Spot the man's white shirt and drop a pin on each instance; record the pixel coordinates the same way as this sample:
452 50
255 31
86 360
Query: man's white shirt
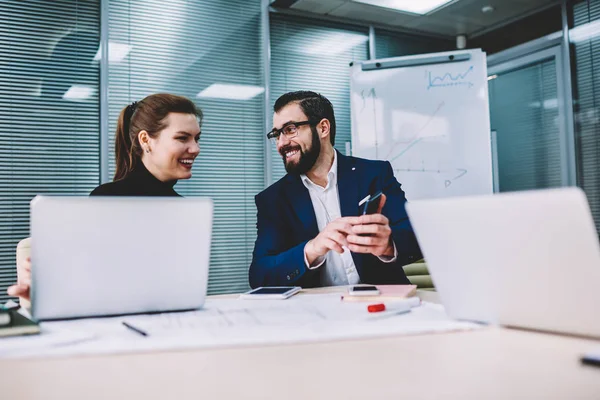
339 269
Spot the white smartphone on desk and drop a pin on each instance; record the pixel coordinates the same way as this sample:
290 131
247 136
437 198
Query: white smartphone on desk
364 290
271 292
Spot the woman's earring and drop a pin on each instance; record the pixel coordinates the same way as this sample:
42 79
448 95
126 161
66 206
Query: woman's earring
147 149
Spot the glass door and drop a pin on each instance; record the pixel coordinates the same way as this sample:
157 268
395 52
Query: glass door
527 110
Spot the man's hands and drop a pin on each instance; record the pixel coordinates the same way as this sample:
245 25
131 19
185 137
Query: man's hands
333 237
22 288
371 234
347 231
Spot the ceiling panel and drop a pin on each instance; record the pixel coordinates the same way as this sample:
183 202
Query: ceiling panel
318 6
471 12
459 17
443 26
369 13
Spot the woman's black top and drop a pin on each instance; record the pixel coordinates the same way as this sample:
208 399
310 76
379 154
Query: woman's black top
139 182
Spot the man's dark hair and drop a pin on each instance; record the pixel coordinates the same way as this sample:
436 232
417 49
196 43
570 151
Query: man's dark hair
314 105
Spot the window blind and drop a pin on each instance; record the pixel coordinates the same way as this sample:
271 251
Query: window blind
586 86
184 47
308 55
49 126
524 114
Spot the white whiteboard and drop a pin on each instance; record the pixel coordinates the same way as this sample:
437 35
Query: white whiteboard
431 121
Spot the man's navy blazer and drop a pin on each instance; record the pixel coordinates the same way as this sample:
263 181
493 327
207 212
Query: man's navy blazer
286 222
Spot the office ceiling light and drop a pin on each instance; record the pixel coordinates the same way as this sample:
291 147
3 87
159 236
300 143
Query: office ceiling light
487 9
231 91
116 52
331 43
79 93
411 6
585 32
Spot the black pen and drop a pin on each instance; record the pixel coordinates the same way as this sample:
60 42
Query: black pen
133 328
590 359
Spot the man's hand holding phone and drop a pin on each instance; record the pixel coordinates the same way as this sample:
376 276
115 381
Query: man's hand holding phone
368 233
371 232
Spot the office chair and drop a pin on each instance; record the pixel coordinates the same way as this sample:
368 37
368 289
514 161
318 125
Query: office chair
418 274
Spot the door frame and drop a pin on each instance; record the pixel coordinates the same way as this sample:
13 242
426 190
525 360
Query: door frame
543 49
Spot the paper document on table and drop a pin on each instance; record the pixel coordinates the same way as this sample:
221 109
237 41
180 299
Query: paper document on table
235 322
49 338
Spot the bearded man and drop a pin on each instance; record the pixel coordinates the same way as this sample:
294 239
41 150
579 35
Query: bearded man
310 231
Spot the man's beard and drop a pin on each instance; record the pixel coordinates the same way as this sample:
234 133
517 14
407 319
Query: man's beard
306 159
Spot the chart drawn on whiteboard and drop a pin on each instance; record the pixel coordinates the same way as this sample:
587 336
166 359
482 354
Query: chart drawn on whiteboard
449 79
430 121
412 141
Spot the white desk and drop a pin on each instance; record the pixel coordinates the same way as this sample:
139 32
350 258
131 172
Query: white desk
489 363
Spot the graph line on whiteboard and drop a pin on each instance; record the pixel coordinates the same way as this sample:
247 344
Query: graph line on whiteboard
449 79
458 173
407 148
416 138
433 171
371 94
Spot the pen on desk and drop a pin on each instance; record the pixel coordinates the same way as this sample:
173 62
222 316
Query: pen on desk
133 328
591 359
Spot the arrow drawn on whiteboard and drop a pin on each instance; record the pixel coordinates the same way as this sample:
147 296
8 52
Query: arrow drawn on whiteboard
460 175
461 172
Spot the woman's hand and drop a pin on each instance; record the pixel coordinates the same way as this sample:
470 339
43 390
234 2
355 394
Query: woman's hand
22 288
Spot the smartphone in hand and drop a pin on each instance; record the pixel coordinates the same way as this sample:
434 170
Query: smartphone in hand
371 204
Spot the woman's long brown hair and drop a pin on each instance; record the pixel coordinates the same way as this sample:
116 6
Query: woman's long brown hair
149 114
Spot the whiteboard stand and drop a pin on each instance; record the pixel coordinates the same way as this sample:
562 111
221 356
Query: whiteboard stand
495 162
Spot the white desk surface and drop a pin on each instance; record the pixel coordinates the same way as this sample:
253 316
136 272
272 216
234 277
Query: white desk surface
489 363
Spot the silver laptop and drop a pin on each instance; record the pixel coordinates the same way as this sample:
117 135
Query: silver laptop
98 256
524 259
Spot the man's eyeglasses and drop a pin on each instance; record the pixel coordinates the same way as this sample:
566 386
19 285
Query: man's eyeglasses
289 130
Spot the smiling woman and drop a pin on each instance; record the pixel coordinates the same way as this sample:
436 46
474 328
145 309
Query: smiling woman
156 143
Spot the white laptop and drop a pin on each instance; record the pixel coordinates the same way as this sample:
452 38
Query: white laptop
99 256
524 259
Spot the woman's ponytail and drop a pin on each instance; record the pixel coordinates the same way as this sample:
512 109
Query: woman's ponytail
125 154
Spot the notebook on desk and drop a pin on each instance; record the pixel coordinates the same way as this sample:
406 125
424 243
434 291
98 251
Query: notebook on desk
12 323
386 293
